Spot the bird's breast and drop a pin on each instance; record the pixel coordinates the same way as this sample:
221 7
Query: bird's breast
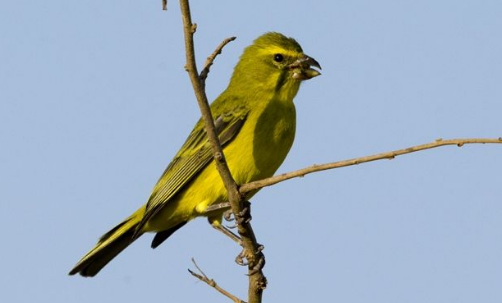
263 143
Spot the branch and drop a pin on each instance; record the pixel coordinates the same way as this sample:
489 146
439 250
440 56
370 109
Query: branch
252 250
200 94
210 59
202 276
387 155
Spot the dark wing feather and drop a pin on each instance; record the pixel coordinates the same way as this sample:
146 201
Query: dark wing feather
163 235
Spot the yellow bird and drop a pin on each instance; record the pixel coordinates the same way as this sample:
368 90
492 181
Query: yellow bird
255 120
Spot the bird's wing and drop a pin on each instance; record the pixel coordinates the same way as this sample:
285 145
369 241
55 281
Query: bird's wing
193 156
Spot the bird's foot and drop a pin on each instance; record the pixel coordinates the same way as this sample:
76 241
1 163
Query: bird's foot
244 216
228 215
257 260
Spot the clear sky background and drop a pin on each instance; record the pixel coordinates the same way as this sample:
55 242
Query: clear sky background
94 102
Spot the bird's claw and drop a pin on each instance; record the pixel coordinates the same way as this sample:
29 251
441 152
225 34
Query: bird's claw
228 215
244 216
240 258
258 266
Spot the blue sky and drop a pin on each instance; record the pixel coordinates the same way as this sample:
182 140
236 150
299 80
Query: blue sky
94 102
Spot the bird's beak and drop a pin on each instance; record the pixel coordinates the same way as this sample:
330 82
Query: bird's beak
302 68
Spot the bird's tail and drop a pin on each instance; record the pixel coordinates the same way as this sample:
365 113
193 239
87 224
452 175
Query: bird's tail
109 246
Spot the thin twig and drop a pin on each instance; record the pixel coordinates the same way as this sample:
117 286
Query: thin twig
257 281
387 155
210 59
202 276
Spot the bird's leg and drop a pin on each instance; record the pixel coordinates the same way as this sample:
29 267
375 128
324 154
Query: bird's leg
227 232
213 213
215 209
218 207
244 216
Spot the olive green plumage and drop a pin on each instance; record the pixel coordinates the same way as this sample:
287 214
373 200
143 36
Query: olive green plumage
255 121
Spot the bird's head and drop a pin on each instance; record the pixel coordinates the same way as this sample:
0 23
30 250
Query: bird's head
274 62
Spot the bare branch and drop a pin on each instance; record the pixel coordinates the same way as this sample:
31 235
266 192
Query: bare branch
387 155
252 252
191 67
202 276
210 59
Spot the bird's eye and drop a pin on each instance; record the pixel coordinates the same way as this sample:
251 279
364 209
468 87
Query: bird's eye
278 57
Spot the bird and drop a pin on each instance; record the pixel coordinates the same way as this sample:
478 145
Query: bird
255 121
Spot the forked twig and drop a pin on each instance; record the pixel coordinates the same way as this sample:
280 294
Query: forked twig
203 277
